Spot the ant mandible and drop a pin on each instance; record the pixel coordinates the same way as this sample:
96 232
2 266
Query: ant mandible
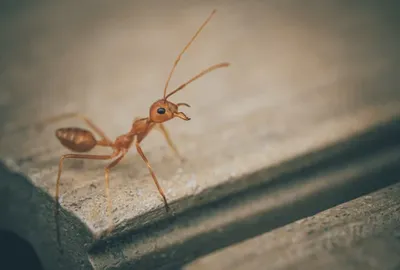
82 140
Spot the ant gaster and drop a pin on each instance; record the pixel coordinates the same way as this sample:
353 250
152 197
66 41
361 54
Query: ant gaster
82 140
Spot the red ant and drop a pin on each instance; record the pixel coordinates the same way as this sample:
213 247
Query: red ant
82 140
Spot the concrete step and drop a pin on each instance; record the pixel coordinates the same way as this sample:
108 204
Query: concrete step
359 234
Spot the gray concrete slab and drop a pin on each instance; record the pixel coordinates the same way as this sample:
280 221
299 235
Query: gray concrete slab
302 76
292 191
360 234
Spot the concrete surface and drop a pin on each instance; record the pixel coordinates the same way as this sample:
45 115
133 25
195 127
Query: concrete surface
360 234
303 76
288 192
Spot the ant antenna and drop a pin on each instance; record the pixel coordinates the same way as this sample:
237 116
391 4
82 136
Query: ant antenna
204 72
184 49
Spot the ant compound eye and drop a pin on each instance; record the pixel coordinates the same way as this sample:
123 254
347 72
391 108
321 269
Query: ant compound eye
160 110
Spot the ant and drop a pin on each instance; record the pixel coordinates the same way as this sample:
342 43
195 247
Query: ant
81 140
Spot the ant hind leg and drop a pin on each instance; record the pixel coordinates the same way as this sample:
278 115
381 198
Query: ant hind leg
60 167
107 190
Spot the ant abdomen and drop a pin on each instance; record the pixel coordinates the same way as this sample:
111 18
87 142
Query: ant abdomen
76 139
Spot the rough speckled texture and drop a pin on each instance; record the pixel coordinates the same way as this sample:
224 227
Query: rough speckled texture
300 78
360 234
292 193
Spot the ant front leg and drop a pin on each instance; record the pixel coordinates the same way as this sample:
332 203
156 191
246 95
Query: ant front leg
167 137
140 151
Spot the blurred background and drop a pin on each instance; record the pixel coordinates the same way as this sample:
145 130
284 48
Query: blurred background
64 56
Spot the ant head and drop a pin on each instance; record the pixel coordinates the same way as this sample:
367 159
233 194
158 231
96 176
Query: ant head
163 110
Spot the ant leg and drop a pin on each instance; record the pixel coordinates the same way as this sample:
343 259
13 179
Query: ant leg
107 189
171 145
139 149
105 140
60 167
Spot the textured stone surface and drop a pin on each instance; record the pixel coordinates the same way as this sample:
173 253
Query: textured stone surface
300 79
360 234
291 193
